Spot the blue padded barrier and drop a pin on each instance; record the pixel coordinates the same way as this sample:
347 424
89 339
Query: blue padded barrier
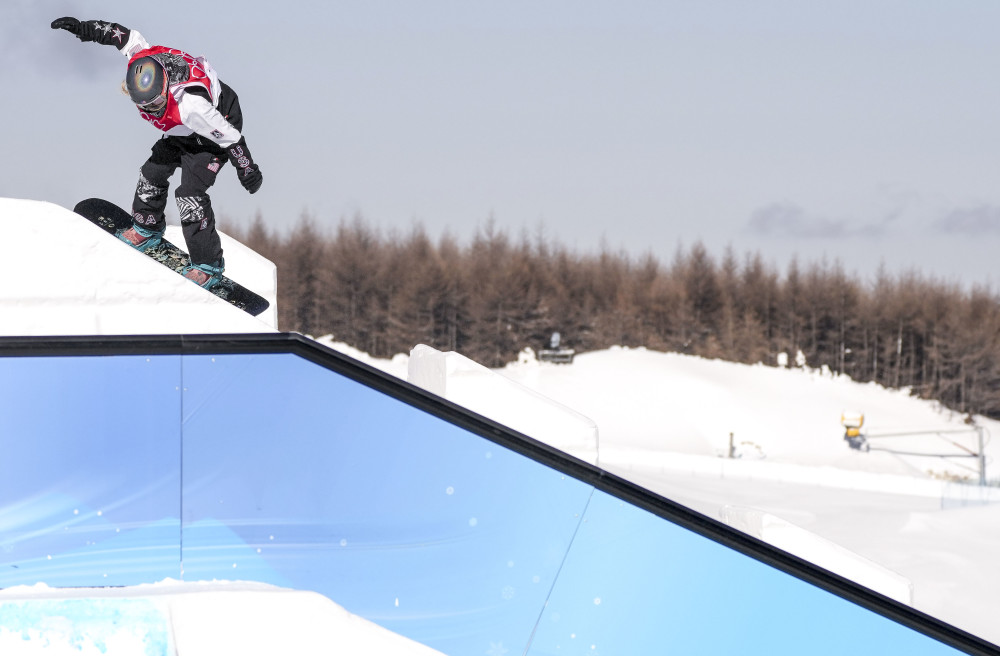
272 459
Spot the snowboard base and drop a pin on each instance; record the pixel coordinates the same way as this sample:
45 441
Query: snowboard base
112 218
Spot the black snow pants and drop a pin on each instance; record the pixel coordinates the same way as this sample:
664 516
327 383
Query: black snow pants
200 161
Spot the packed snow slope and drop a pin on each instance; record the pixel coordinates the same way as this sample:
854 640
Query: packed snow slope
66 276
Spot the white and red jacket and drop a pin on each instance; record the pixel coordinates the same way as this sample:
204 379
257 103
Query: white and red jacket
186 113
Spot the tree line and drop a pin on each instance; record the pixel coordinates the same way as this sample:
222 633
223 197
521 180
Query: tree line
491 298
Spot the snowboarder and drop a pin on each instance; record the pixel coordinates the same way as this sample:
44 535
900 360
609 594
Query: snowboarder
200 115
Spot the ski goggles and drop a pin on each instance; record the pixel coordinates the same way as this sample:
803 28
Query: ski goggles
153 106
150 106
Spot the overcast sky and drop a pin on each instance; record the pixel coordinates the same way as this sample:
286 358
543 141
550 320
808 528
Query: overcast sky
860 131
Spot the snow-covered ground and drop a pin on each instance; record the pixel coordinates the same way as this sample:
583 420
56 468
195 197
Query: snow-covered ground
665 421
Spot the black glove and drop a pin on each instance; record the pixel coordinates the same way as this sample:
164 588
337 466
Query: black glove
248 172
252 179
103 32
73 26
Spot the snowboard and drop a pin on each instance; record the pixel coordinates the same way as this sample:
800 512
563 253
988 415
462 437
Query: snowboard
112 218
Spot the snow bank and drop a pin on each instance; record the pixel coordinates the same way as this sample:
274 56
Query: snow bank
680 404
189 619
65 276
471 385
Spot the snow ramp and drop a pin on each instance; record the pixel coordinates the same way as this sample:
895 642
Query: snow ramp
65 276
270 460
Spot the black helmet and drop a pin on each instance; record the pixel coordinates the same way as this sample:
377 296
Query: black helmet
146 82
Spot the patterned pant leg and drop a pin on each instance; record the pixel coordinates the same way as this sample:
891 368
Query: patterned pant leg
154 181
198 173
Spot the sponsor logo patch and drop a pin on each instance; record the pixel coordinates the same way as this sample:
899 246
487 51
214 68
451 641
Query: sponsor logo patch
217 134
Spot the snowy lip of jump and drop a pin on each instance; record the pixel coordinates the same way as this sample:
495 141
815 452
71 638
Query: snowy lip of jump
98 298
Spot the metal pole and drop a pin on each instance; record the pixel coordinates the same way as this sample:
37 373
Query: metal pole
982 457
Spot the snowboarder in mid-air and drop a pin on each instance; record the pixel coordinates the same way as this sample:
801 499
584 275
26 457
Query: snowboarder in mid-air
200 115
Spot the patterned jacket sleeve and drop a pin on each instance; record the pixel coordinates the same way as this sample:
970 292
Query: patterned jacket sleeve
105 32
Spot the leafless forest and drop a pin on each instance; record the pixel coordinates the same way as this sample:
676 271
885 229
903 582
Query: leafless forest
498 294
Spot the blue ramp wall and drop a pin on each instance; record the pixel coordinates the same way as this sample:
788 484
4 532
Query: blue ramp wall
272 459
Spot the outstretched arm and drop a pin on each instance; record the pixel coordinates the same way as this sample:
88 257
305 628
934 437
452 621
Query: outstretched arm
98 31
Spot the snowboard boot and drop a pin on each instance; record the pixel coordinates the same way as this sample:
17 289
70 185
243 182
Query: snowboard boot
205 275
140 238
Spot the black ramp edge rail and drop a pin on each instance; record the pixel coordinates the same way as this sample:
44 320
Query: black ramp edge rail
308 349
